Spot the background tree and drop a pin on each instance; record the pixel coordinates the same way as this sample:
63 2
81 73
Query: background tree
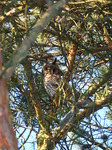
79 35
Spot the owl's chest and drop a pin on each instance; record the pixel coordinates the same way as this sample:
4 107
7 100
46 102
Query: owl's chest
51 83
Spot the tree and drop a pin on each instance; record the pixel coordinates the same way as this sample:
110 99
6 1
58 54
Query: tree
79 35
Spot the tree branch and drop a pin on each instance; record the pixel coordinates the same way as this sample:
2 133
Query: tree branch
21 52
75 116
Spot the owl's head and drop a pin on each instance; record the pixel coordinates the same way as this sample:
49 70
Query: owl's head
51 68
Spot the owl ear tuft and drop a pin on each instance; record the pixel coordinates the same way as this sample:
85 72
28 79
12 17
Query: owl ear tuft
54 62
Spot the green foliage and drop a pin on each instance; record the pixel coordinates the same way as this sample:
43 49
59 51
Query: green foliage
82 26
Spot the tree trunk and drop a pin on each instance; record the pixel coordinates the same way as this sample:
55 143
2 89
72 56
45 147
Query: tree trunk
7 137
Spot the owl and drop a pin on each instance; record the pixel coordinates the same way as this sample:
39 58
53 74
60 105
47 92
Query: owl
52 77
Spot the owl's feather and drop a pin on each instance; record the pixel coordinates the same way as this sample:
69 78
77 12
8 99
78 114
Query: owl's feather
52 77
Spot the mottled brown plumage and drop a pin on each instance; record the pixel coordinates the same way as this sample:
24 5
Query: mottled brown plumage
52 77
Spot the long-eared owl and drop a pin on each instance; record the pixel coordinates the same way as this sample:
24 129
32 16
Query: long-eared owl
52 77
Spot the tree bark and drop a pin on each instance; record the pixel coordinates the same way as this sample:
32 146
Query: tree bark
7 137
